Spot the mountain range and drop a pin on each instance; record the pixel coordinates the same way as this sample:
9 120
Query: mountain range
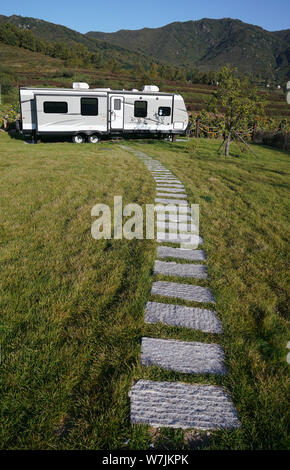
206 44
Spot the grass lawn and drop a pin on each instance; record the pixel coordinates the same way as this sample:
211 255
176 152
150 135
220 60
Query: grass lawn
72 308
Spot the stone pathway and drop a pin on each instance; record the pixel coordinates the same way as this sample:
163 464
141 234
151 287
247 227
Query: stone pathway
170 268
179 315
182 291
176 404
179 405
183 356
191 255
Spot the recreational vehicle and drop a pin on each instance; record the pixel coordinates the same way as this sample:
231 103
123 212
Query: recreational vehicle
92 114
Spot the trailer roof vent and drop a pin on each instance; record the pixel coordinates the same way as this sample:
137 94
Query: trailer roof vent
150 88
134 89
80 86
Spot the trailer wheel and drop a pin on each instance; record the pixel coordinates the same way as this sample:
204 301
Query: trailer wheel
93 139
78 139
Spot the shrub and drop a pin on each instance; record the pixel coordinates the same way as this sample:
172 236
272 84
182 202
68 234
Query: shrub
68 73
8 110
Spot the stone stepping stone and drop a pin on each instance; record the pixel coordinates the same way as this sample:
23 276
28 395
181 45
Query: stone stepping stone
177 226
171 201
169 186
173 237
186 317
170 183
182 291
183 356
170 190
165 216
189 245
170 268
191 255
162 175
185 238
166 179
180 405
182 196
173 209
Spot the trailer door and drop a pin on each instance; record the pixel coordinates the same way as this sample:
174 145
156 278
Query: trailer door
117 112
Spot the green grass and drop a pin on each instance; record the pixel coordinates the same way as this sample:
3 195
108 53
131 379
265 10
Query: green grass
73 308
19 60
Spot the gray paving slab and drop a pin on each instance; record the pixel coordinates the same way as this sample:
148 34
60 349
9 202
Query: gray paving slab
172 237
167 181
183 356
193 245
169 176
169 194
170 201
170 268
170 190
170 217
176 226
182 291
169 185
190 255
180 405
162 175
186 317
173 209
166 177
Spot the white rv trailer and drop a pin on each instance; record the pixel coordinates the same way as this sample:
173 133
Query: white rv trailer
92 114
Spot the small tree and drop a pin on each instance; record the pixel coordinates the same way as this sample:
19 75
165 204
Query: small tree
239 102
154 72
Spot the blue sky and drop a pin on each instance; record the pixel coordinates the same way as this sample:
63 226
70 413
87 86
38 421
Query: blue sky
112 15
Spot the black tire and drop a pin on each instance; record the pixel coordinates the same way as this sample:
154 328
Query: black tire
93 139
78 139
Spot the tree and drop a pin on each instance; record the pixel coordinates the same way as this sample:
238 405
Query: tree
180 75
154 72
239 102
28 40
138 70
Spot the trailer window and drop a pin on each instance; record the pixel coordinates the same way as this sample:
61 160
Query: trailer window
89 106
55 107
117 104
140 109
164 111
